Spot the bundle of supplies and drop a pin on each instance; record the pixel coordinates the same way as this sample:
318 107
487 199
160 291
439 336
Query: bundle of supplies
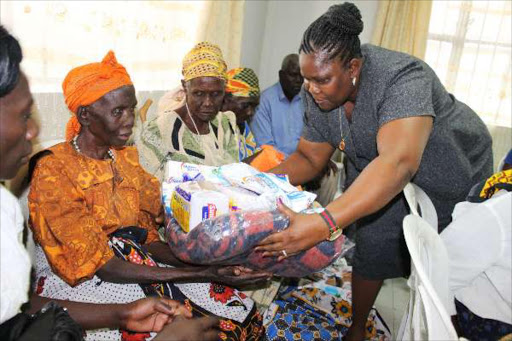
217 215
230 240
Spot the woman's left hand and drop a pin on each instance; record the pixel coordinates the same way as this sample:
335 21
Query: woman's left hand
235 275
304 232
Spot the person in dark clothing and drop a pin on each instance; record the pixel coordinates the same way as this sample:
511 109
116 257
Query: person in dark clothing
396 123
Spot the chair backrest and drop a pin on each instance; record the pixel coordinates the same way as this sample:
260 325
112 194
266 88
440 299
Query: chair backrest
420 204
427 317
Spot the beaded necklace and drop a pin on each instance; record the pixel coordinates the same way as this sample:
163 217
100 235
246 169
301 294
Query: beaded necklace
74 142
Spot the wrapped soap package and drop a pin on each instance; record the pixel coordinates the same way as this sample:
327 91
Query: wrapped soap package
230 239
193 202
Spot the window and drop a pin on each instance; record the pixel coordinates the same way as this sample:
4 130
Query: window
149 38
469 47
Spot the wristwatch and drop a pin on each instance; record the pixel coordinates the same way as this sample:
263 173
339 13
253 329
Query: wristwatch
334 234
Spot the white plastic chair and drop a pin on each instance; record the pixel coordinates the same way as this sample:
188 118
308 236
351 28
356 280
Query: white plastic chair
418 199
427 317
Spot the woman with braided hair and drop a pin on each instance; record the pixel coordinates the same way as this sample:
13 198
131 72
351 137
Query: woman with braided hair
396 123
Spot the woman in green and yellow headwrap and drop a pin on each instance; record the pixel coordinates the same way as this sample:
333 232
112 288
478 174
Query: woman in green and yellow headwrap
242 98
191 127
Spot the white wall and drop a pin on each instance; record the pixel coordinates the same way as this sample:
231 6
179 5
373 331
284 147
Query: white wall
281 32
255 16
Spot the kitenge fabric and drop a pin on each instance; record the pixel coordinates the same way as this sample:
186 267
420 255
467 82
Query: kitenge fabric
239 317
75 202
247 143
242 82
204 60
319 308
501 180
485 189
166 137
200 298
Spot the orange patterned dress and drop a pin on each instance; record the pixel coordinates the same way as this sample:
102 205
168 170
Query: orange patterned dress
75 202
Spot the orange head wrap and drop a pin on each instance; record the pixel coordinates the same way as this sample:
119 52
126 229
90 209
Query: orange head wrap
86 84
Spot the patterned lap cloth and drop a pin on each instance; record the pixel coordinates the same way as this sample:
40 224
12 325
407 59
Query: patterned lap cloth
240 319
319 308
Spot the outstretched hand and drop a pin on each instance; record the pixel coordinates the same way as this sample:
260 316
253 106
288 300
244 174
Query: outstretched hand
238 275
151 314
304 232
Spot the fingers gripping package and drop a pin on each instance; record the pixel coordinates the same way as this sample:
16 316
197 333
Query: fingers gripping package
217 215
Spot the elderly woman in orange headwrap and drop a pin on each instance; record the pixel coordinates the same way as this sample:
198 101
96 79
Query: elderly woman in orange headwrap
94 212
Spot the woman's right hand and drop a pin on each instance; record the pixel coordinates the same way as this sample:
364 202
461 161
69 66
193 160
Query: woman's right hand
305 231
237 275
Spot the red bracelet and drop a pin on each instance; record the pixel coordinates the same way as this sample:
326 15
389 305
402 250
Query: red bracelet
329 220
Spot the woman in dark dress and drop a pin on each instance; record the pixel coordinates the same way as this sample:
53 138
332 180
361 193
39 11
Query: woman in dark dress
396 123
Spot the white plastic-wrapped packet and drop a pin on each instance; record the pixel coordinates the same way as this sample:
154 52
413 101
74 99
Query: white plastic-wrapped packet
299 201
241 199
235 173
246 188
178 172
193 202
282 182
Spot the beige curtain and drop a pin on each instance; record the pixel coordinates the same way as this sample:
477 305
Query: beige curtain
222 24
402 25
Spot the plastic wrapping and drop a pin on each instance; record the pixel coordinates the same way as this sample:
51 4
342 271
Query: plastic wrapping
230 239
245 188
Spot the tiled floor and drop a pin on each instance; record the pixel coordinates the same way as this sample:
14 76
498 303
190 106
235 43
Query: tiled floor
391 302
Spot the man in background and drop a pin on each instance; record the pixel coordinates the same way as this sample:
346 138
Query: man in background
279 117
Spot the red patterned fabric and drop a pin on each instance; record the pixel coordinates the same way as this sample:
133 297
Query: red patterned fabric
230 239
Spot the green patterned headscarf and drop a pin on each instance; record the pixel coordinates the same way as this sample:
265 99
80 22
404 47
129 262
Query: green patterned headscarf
243 82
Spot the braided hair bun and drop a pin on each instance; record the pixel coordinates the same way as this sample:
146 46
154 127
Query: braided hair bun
346 17
336 32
